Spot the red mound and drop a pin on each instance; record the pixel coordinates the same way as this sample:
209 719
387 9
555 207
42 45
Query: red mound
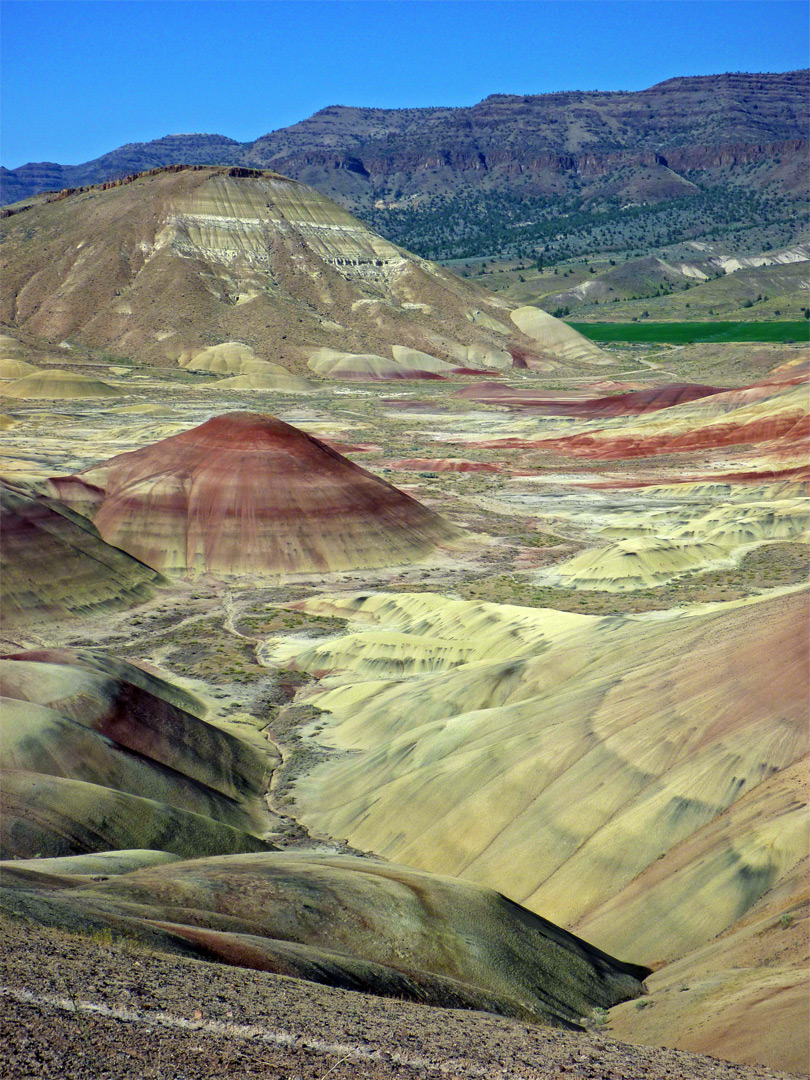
352 448
642 401
772 413
525 358
390 375
490 393
753 476
248 493
649 399
788 431
415 404
477 371
481 392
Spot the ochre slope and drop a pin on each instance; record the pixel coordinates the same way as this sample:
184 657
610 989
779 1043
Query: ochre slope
15 369
158 268
553 337
363 367
280 382
656 548
227 358
56 816
651 726
54 563
55 384
246 493
744 995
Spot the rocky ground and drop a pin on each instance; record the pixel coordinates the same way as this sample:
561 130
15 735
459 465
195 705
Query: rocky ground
76 1008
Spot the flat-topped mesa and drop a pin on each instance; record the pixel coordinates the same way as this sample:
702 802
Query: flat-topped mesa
247 493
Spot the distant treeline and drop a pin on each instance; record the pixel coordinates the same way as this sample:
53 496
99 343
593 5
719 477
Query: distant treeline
512 224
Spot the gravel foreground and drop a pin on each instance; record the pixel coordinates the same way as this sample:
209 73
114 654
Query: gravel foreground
83 1008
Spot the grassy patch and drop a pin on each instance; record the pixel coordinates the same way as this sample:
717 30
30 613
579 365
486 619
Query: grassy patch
684 333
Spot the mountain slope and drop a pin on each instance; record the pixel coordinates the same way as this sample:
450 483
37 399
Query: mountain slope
181 259
595 150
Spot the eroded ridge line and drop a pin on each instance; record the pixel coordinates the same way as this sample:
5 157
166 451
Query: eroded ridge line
255 1031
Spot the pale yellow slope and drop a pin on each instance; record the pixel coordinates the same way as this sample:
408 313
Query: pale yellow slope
743 996
228 358
656 545
15 369
279 381
556 338
58 384
331 363
598 752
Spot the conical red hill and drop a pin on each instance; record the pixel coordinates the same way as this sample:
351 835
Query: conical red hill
246 493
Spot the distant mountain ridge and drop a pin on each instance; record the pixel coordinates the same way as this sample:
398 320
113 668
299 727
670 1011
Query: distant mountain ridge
597 149
700 110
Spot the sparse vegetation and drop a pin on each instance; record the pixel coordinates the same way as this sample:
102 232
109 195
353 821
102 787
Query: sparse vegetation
513 224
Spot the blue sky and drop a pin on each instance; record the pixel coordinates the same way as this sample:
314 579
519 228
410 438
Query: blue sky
81 77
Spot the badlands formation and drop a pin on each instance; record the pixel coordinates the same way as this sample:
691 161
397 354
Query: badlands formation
248 493
178 260
381 636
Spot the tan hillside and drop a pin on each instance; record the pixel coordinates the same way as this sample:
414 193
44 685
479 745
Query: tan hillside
175 262
563 660
56 384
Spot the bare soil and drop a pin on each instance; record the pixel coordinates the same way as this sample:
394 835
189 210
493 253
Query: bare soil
84 1008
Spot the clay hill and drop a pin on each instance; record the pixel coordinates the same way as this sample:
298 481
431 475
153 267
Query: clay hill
54 563
680 739
114 777
676 140
161 268
99 755
246 493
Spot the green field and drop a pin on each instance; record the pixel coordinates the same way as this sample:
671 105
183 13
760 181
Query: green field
684 333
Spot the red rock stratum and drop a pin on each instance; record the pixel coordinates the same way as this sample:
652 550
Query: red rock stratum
246 493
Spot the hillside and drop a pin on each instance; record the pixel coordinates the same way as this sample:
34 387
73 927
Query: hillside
186 259
684 282
392 675
506 176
